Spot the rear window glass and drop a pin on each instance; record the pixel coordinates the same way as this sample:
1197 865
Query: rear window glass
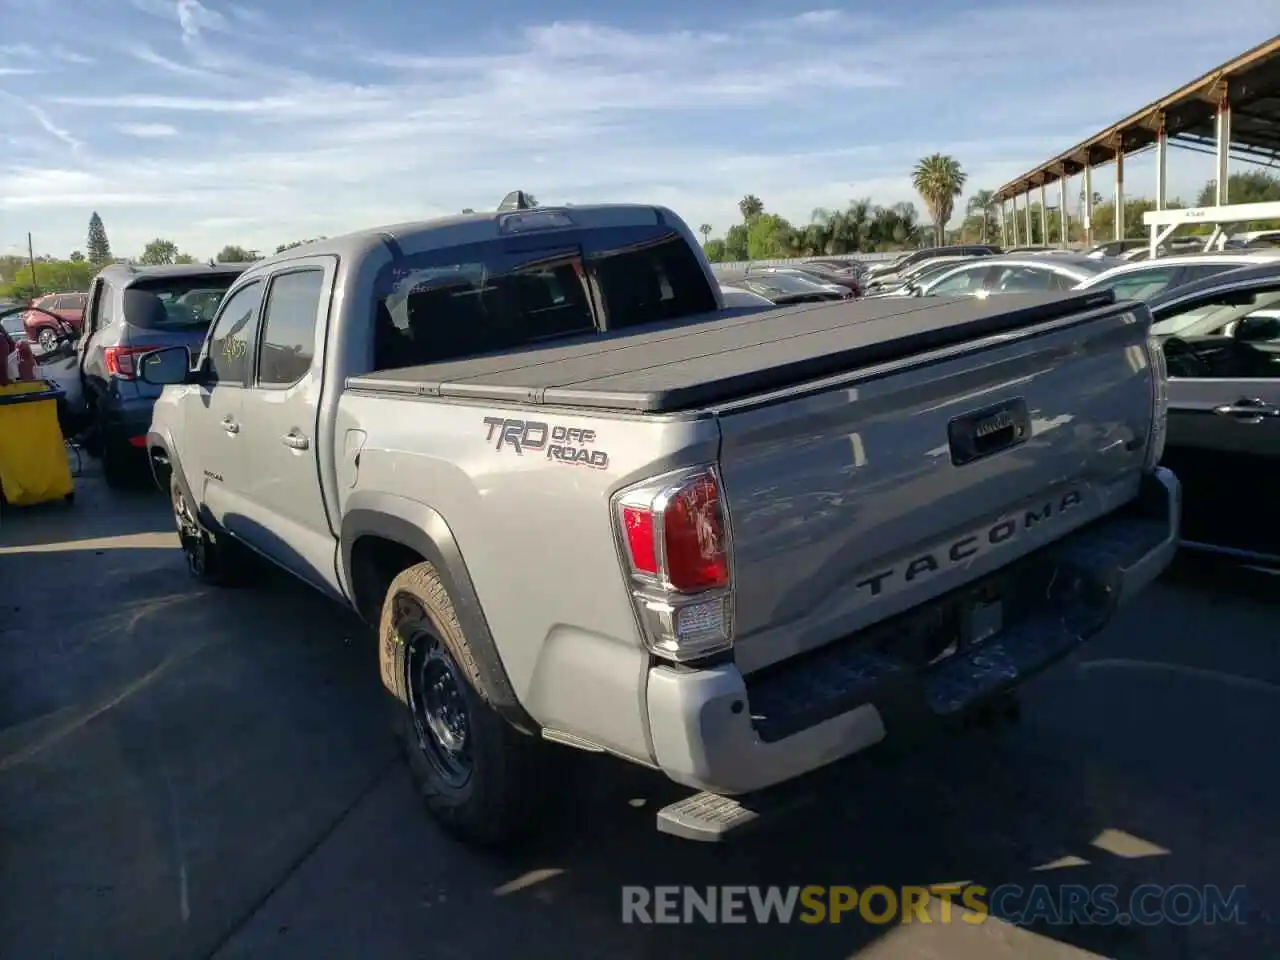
506 294
175 303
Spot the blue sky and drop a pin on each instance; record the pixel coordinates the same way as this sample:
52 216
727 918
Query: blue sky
263 121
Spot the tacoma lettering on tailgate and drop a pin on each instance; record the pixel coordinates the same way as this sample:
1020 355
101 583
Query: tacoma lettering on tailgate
556 442
965 548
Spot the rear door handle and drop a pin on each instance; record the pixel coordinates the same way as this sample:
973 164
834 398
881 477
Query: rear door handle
1248 409
295 440
230 425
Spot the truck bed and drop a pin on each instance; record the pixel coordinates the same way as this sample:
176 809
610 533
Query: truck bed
698 363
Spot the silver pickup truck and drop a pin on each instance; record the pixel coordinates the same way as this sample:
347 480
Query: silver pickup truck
585 503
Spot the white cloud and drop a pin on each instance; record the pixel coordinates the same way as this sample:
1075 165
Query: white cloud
148 131
290 129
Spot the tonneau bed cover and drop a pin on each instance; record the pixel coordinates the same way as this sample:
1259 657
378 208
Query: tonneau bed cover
697 363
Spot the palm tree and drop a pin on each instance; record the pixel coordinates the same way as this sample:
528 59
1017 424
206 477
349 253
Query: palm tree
750 206
939 179
980 204
705 230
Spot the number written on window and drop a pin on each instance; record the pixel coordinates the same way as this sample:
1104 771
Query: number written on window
229 342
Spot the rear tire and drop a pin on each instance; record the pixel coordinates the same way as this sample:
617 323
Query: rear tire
211 558
117 469
478 775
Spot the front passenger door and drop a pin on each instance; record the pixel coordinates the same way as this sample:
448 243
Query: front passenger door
1224 445
212 449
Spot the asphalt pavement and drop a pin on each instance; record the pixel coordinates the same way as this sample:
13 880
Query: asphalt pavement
188 773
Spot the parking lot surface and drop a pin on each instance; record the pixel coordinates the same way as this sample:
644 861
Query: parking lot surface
191 773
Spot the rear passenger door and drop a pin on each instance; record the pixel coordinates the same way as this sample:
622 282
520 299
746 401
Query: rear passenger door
284 501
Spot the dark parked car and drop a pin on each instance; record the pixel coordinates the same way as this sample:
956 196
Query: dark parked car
813 275
1221 338
788 288
133 310
903 263
42 329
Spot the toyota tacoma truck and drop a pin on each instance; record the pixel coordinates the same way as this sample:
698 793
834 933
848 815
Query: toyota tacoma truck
584 503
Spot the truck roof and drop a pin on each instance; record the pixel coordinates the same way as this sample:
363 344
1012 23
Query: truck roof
696 363
463 228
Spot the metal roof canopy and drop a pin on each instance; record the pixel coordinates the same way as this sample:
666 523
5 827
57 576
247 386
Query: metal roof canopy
1250 83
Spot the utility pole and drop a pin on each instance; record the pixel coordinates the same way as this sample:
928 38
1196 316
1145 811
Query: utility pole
31 259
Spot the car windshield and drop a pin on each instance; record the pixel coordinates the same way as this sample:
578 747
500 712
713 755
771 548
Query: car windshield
13 325
783 283
186 303
1209 318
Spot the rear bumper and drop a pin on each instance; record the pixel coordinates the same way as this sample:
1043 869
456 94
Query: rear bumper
718 731
125 422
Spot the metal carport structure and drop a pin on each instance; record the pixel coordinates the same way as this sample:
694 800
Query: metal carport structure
1231 111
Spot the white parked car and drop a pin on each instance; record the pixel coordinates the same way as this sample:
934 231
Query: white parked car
988 276
1146 278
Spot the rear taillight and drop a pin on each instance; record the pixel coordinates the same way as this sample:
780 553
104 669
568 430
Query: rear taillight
122 361
675 537
1160 402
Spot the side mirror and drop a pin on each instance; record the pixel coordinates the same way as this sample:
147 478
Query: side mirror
165 367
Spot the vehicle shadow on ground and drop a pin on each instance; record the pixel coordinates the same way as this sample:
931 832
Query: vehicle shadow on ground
1149 760
167 752
183 769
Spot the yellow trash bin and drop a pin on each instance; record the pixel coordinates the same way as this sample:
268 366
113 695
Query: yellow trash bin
33 457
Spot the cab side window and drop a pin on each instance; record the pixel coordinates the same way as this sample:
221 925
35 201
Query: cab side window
289 327
231 339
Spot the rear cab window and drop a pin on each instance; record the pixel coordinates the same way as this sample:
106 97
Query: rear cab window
512 292
186 303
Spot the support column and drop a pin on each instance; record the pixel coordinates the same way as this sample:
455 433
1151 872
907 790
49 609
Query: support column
1030 236
1064 220
1014 218
1224 148
1161 163
1088 203
1004 226
1119 217
1044 215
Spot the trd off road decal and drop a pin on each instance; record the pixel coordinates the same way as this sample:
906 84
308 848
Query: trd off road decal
556 442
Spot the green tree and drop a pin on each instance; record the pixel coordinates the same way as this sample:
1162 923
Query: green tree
938 179
63 276
979 207
750 207
768 236
159 252
735 243
714 249
705 230
184 258
235 254
1249 186
98 245
77 256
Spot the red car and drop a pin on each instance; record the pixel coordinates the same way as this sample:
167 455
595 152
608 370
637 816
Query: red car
41 328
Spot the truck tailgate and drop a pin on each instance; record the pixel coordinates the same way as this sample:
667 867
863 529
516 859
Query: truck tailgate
855 501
